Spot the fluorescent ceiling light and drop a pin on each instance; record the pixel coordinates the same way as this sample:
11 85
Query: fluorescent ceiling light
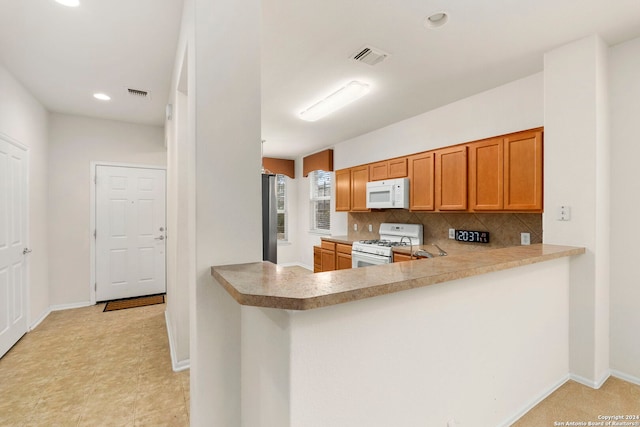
335 101
102 96
69 3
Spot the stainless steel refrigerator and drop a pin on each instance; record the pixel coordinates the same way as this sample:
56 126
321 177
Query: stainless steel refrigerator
269 219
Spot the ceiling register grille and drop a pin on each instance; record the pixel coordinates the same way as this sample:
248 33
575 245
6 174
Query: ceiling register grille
369 55
138 93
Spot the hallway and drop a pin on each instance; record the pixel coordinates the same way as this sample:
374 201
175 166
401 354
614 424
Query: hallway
83 367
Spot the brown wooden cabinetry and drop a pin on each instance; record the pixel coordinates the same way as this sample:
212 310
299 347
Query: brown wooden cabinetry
486 175
343 190
317 259
330 256
421 186
401 257
523 171
359 179
451 179
343 256
505 174
388 169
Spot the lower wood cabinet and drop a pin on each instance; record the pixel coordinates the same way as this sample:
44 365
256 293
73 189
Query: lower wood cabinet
343 256
401 257
331 256
317 259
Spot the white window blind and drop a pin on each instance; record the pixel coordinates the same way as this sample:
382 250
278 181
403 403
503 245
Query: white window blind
281 206
320 196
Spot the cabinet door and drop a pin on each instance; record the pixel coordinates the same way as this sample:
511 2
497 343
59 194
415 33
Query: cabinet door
421 183
343 190
398 168
317 259
359 179
523 171
328 260
486 175
379 171
343 261
401 257
451 179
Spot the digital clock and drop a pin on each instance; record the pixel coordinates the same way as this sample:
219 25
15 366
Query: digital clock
471 236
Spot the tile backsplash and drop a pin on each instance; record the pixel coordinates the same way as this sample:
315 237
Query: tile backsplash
505 228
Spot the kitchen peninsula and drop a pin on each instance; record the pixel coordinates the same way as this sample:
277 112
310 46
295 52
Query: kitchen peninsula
412 344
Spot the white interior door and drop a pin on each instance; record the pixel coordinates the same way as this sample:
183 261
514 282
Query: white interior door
13 234
130 232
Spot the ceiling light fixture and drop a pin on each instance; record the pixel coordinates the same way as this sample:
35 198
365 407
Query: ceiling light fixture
69 3
436 20
102 96
338 99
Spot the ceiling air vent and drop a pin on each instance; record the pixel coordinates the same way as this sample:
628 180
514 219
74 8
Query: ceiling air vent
369 55
138 93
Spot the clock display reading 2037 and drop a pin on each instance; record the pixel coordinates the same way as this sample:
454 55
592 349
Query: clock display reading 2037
472 236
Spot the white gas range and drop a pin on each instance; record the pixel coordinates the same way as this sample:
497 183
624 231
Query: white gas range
376 252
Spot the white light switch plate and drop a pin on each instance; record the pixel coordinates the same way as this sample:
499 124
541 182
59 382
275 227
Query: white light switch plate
452 233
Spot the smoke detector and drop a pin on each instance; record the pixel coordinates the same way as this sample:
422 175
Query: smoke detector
369 55
138 93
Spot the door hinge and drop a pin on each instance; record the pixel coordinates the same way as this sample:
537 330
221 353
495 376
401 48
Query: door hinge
95 234
95 287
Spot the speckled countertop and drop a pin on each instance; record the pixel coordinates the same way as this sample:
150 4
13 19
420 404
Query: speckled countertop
263 284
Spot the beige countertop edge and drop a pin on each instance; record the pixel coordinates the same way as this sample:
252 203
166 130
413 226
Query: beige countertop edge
275 299
338 239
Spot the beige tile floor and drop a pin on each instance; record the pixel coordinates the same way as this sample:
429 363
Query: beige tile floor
83 367
574 402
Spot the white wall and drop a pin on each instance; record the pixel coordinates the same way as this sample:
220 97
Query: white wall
25 120
74 143
223 40
480 351
625 233
512 107
576 173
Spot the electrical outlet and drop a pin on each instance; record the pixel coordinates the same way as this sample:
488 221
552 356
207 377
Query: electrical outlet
525 239
370 228
452 233
564 213
355 227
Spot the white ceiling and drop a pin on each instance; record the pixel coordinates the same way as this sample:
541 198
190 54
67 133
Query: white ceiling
64 55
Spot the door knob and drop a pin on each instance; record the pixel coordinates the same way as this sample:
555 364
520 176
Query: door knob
159 238
26 251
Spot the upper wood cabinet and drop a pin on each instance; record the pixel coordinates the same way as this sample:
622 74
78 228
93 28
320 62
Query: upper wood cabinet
359 179
451 178
351 189
343 190
523 171
486 175
421 185
388 169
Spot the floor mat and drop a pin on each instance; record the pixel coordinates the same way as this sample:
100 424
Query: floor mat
120 304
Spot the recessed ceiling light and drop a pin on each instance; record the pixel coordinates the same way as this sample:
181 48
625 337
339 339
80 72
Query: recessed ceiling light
338 99
69 3
102 96
436 20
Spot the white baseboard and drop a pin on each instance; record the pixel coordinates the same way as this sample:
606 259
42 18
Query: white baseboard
178 365
40 319
534 402
296 264
626 377
589 383
59 307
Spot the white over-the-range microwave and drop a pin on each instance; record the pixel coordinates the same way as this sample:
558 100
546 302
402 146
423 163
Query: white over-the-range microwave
388 194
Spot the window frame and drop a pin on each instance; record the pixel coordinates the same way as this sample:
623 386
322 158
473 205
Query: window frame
315 200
